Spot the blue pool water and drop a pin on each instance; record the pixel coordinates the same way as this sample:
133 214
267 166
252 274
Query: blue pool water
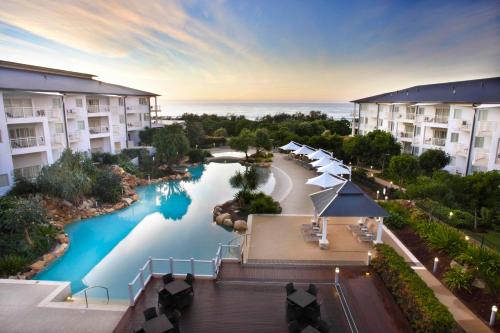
172 219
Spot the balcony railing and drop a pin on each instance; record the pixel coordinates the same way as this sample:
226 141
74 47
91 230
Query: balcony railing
73 113
27 142
485 126
30 172
99 108
406 134
441 119
57 139
460 150
98 129
438 141
23 112
74 136
134 124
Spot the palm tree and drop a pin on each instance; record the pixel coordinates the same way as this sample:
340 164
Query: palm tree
247 181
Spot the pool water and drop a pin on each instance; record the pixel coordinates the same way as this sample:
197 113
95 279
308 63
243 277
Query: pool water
171 219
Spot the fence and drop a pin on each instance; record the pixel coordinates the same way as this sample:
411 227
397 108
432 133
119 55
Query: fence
178 267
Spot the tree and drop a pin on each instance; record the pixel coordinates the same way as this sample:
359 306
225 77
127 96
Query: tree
220 132
432 160
108 186
262 140
23 215
171 144
246 181
243 141
404 168
146 136
195 133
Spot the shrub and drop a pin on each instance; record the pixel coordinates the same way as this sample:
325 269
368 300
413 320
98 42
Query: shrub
220 132
107 186
210 141
457 278
417 301
264 204
11 264
395 221
23 186
105 158
459 219
198 155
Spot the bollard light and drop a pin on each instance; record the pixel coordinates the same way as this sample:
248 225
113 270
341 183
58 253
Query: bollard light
467 238
451 215
386 197
384 190
337 271
371 167
493 315
378 193
369 258
434 269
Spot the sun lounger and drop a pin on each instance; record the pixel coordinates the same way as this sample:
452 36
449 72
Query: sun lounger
368 237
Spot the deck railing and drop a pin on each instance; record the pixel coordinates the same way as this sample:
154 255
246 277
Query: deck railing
26 142
179 267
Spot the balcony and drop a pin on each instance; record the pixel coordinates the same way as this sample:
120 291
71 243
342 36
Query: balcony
100 108
57 140
485 126
30 172
23 112
436 141
98 130
481 157
441 119
134 125
73 113
406 134
74 136
116 130
460 150
27 142
465 126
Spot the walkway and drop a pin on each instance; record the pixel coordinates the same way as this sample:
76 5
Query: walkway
291 189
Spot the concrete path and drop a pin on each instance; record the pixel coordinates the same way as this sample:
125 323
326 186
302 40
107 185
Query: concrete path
291 189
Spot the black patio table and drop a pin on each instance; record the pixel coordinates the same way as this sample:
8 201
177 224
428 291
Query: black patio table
176 287
159 324
309 329
301 297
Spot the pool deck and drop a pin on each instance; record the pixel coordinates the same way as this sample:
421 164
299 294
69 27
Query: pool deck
252 299
39 306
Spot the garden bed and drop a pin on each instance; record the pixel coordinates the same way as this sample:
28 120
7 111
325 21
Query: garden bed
478 301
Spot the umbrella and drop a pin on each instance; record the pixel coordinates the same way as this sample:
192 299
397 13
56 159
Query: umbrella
319 154
335 168
304 150
322 162
291 146
325 180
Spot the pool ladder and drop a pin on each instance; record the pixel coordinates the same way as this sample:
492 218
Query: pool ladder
88 288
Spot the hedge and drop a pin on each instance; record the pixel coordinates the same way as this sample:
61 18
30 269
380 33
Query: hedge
417 301
460 218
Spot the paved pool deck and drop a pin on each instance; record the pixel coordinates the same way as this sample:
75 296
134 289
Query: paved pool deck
40 306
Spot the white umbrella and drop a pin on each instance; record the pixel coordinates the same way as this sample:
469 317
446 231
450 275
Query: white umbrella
335 168
319 154
304 150
325 180
322 162
291 146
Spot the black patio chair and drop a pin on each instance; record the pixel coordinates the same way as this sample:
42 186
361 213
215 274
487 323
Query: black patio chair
150 313
293 312
294 326
183 300
312 289
324 327
165 300
167 278
189 279
312 313
289 288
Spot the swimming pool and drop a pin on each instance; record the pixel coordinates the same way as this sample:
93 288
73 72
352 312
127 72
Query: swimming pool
171 219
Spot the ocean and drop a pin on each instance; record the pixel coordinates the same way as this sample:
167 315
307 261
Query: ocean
253 110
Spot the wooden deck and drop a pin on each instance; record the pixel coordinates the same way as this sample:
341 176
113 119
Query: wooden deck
251 298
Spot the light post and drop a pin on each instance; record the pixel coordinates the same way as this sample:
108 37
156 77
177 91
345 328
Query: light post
386 197
369 258
378 193
337 271
451 215
434 268
493 315
384 190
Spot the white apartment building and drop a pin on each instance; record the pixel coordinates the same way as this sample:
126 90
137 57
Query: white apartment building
44 110
462 118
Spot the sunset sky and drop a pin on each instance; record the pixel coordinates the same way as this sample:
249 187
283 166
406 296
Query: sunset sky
257 50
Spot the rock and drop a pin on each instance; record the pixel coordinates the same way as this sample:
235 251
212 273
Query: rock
38 266
30 274
67 203
135 197
220 219
240 225
48 257
119 205
478 283
127 201
60 250
227 223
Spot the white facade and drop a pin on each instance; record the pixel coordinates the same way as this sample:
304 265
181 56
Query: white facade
469 133
36 127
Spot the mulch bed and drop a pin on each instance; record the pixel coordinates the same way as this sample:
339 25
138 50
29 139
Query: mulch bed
478 301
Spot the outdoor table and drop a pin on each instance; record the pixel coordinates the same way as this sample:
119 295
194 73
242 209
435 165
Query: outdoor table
177 286
309 329
301 297
159 324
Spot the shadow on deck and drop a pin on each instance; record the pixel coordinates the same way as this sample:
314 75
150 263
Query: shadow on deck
252 299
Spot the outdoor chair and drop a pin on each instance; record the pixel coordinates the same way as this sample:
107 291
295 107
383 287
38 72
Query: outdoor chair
167 278
293 312
189 279
290 288
312 313
184 300
313 290
150 313
294 326
165 300
323 327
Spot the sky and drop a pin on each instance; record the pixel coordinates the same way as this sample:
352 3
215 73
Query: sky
257 50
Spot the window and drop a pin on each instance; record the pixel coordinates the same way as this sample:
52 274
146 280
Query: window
122 119
120 101
380 122
143 101
118 146
391 126
396 109
457 114
454 137
79 103
23 132
146 116
417 131
483 115
479 142
4 180
81 125
420 110
56 103
59 128
140 117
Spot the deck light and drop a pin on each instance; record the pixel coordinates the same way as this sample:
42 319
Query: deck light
493 316
434 268
369 258
337 271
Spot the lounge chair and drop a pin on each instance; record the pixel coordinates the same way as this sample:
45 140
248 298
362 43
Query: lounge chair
189 279
367 237
312 313
290 288
150 313
312 289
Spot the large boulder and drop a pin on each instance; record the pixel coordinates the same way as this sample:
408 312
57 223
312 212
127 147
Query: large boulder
240 225
227 223
220 219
